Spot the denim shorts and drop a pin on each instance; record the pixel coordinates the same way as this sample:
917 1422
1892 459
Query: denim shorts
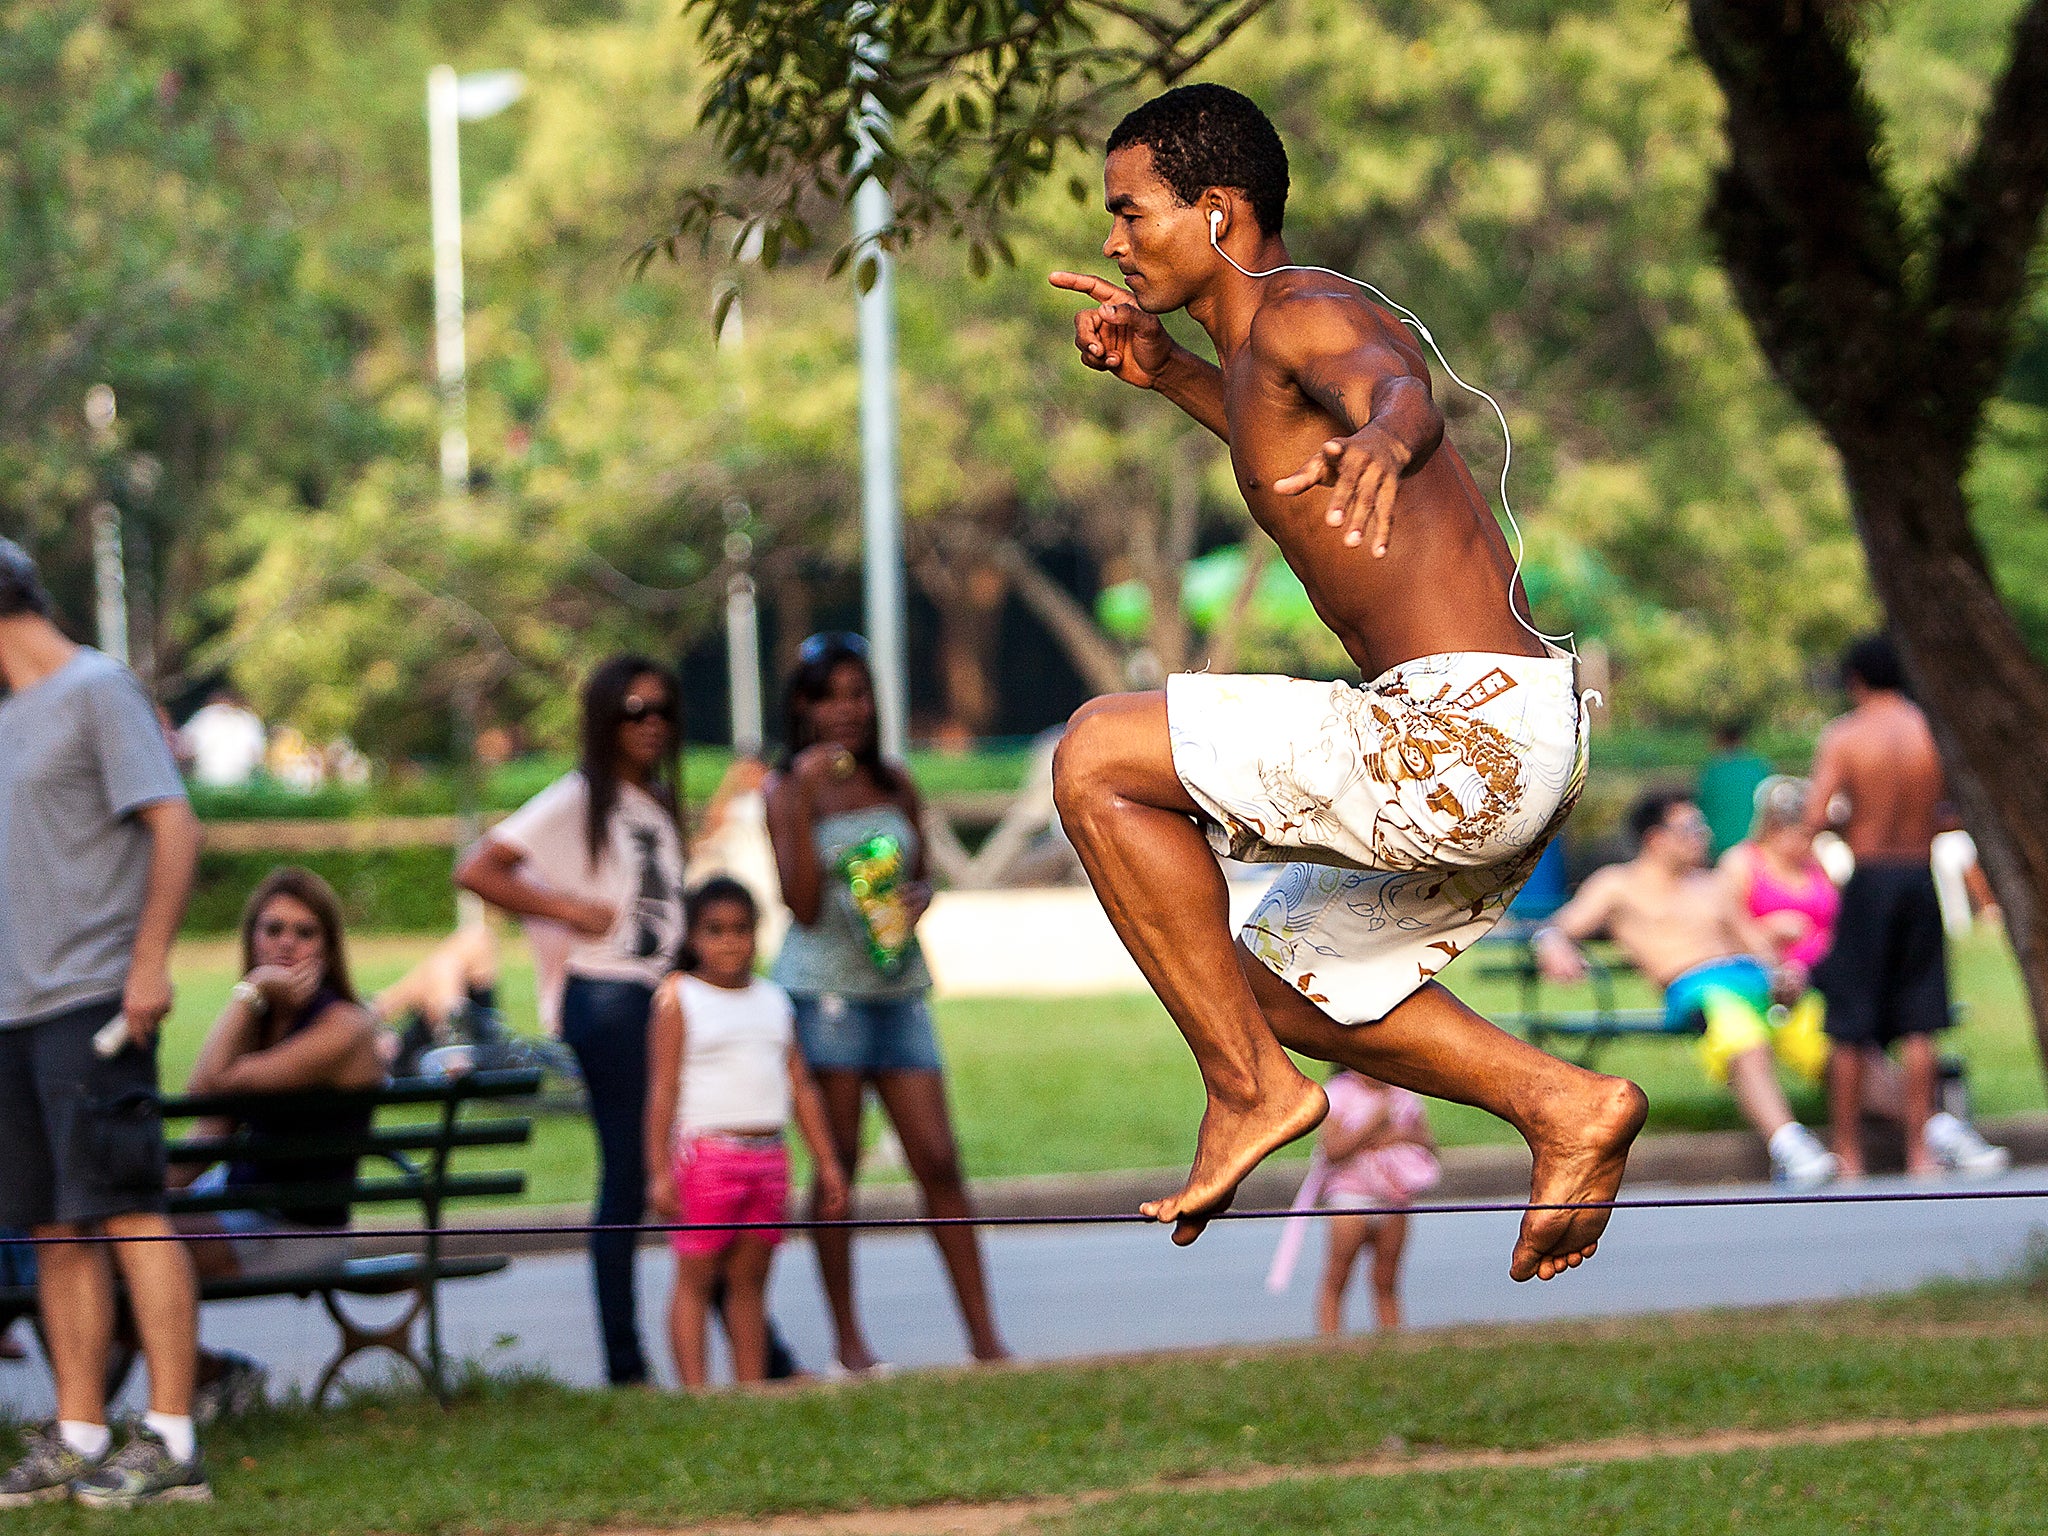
855 1034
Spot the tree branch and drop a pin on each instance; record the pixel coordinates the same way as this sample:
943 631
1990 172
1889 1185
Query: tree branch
1811 234
1101 668
1989 223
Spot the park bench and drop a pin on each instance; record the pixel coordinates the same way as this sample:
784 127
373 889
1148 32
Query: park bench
407 1155
1509 956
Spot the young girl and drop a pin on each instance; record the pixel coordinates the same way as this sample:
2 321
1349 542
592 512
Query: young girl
1374 1150
724 1078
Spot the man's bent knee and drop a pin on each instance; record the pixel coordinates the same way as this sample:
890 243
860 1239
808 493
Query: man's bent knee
1117 746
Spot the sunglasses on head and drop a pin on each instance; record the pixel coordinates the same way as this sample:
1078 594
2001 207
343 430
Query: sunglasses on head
826 642
277 928
636 708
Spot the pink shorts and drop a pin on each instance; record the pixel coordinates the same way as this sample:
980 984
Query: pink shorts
723 1178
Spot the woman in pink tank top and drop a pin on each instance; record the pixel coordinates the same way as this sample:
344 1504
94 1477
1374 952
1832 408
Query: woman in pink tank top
1782 884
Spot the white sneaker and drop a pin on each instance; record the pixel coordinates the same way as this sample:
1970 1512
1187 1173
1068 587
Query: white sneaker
1799 1161
1958 1148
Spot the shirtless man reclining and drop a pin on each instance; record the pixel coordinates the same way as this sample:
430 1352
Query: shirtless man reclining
1680 923
1407 810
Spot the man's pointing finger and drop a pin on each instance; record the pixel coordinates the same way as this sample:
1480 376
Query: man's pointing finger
1088 283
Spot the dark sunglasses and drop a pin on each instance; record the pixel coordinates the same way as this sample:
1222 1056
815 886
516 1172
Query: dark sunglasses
277 928
826 642
639 709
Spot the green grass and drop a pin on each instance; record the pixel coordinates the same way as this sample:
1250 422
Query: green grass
527 1455
1064 1085
1960 1485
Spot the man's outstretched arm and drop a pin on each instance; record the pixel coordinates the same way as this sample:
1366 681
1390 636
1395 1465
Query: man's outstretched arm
1338 357
1120 338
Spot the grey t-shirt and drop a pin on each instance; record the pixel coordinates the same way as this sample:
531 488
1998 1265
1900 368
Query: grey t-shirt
80 753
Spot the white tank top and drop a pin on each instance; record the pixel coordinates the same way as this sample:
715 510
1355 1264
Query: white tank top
735 1057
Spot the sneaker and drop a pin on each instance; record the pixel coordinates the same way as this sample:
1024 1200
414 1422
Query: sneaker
1799 1161
143 1472
1958 1148
239 1388
46 1470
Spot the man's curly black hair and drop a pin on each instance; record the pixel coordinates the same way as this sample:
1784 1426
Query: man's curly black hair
1204 136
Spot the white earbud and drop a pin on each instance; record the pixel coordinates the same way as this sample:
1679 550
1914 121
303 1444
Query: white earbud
1215 220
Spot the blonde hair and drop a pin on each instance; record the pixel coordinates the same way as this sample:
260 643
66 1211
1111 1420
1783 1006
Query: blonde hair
1780 802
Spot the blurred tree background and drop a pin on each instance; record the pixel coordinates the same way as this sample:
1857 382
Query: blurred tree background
219 208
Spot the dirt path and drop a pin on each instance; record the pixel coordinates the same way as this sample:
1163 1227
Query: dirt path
1002 1519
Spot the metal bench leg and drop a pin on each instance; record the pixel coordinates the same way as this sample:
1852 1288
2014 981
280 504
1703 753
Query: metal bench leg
396 1337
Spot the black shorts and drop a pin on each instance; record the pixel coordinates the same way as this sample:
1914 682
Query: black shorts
81 1136
1887 975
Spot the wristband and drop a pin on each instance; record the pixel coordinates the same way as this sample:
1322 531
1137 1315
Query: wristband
249 995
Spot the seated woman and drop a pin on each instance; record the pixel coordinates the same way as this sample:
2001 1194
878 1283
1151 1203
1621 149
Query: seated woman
291 1024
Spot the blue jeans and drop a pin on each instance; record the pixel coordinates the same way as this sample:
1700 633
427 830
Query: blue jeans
605 1024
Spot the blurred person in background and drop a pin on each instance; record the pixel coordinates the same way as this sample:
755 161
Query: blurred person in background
597 858
97 852
1885 978
224 742
1780 881
1679 924
1374 1153
725 1080
292 1024
1727 788
846 830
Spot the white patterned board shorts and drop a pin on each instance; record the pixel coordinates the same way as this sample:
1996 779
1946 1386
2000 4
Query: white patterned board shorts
1408 810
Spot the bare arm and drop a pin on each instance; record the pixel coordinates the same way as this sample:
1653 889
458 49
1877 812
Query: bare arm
664 1095
791 817
492 869
1557 942
1342 1141
173 857
337 1050
1340 355
1827 780
811 1123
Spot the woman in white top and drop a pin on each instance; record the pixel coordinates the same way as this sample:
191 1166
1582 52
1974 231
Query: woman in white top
725 1077
597 858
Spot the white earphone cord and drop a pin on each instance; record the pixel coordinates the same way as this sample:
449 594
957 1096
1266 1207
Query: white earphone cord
1508 457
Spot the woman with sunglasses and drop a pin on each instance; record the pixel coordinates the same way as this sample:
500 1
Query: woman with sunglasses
595 861
845 825
292 1024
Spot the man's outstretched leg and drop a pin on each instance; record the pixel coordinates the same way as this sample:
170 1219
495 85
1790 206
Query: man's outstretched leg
1578 1124
1133 823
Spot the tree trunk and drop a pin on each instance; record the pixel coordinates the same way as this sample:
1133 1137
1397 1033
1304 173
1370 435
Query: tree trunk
1986 697
969 599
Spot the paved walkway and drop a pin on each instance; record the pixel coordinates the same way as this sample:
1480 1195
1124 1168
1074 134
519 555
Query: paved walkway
1078 1291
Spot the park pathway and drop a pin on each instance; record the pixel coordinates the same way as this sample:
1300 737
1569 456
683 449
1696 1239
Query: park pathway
1071 1292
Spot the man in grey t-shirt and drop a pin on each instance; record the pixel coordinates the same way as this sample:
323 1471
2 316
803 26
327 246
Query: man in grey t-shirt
97 850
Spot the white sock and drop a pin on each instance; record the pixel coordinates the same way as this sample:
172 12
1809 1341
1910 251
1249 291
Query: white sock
1941 1126
1788 1138
175 1430
85 1439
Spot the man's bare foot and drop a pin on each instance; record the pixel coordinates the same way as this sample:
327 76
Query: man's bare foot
1583 1162
1232 1143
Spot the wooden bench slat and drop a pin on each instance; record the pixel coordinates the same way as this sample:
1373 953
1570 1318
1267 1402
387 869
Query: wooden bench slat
509 1083
297 1197
242 1147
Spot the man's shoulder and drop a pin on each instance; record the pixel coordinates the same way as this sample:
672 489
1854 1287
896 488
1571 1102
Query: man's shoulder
1308 312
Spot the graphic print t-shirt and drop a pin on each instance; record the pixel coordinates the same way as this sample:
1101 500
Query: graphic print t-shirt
639 875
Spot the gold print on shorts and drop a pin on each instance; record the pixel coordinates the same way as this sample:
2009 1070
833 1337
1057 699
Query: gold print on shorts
1487 689
1407 740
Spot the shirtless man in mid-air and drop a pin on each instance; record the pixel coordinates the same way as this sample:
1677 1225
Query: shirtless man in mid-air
1408 810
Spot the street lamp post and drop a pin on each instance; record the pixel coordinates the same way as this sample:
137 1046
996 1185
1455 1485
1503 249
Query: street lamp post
881 505
451 101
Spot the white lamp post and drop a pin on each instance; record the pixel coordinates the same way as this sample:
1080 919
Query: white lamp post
452 100
881 506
